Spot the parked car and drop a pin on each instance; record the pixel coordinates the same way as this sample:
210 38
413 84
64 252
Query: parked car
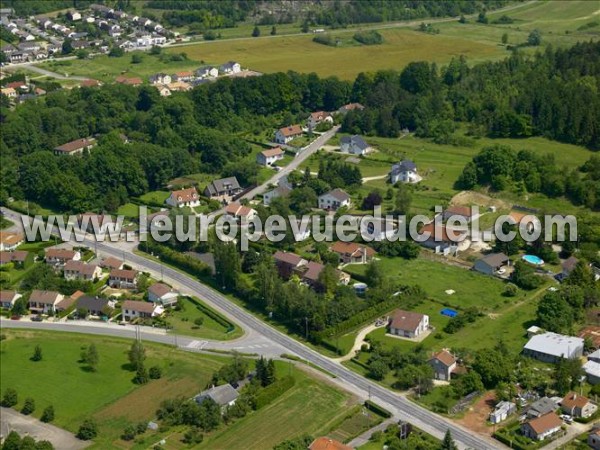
15 318
36 318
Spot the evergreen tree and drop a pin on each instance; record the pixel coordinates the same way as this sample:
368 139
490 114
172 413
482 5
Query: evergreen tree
48 414
28 406
273 30
89 356
136 355
37 353
9 398
87 430
256 31
448 443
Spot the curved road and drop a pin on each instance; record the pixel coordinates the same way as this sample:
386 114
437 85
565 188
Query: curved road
349 380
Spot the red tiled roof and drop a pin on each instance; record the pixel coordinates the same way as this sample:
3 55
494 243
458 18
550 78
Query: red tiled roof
441 232
544 423
325 443
445 357
458 210
45 297
405 320
292 130
288 258
135 81
75 145
111 263
133 305
60 253
574 400
159 289
351 248
123 273
10 238
7 296
185 195
272 152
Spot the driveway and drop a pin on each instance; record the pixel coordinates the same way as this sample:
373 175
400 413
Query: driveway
11 420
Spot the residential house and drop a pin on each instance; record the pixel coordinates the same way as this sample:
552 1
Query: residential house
353 253
325 443
184 197
111 263
440 238
29 46
270 156
44 302
75 147
533 330
9 92
542 427
288 263
240 212
577 405
230 67
78 270
288 134
101 10
17 257
207 72
541 407
80 45
158 219
90 83
132 310
223 189
10 240
351 107
68 302
568 265
8 298
160 78
123 278
490 264
443 364
224 396
163 90
184 75
179 86
58 257
593 439
133 81
74 15
592 371
408 324
551 347
163 294
355 145
312 270
333 200
502 411
318 117
523 219
404 172
464 212
282 190
95 306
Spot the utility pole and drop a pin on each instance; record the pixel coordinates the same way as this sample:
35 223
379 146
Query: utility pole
306 322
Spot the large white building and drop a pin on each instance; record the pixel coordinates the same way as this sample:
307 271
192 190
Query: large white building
551 347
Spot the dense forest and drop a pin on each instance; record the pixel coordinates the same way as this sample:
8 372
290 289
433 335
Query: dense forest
554 94
209 129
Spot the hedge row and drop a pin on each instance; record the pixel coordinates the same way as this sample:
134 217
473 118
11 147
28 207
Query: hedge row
367 315
212 314
184 262
270 393
379 410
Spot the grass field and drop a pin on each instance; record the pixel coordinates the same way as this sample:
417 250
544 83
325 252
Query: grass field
110 397
108 394
183 323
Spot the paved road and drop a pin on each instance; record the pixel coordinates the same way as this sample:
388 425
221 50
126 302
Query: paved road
61 439
401 407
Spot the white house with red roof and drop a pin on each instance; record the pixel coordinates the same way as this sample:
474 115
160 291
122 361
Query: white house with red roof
184 197
270 156
287 134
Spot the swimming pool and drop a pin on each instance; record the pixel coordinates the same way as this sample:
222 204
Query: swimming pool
533 260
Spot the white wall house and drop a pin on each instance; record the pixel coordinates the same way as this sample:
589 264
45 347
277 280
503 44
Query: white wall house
184 197
270 156
404 172
355 145
333 200
287 134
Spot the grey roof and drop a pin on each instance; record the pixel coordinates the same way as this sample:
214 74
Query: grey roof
555 344
338 194
541 407
592 368
494 259
92 303
405 166
355 140
222 395
222 185
228 65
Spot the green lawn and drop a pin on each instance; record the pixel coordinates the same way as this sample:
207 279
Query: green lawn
108 395
183 323
128 210
471 288
157 197
5 223
308 407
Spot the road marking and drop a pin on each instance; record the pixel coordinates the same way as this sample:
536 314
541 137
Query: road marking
196 345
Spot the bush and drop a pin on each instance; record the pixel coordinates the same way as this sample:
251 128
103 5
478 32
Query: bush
271 392
199 321
129 433
193 436
28 406
510 290
87 430
37 353
10 398
374 407
368 37
48 414
155 373
326 39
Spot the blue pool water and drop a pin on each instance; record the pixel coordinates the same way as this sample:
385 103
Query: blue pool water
532 259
